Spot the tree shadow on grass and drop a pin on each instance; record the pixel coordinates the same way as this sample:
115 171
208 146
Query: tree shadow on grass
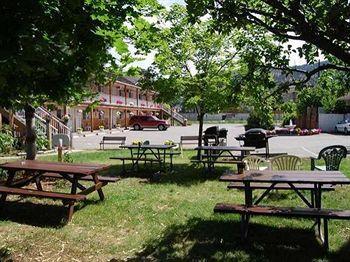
220 240
183 174
40 214
34 214
343 254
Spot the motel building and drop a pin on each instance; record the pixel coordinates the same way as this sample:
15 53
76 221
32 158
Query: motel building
118 101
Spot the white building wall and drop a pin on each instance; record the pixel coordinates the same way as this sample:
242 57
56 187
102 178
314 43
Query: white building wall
327 122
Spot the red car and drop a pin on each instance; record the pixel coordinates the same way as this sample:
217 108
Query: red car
141 122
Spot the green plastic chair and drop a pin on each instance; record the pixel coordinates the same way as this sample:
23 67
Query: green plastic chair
332 156
254 163
285 162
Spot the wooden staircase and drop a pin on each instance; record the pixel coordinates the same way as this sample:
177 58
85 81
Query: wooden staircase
56 126
175 115
19 123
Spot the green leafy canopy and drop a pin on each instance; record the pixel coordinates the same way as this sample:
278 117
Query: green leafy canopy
51 50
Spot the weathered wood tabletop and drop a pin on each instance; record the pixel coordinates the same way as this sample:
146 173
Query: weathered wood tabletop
55 167
148 146
303 177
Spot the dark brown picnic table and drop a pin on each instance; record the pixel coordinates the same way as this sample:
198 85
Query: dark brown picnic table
36 170
213 154
319 179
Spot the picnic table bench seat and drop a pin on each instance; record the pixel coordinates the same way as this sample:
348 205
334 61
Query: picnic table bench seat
107 179
282 211
134 158
223 161
143 159
291 212
171 154
269 155
41 194
240 185
112 140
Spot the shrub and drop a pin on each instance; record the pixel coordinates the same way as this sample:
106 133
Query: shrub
67 158
41 142
289 112
6 142
260 120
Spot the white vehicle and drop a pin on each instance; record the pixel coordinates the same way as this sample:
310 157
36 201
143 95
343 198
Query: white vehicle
343 126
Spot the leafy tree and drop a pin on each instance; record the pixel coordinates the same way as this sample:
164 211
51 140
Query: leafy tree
289 110
332 85
50 50
322 25
192 63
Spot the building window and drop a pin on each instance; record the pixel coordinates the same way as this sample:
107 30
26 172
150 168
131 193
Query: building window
130 94
99 89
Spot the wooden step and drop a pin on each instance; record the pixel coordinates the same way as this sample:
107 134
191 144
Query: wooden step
282 211
40 194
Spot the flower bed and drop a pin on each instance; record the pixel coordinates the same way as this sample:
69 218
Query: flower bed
297 131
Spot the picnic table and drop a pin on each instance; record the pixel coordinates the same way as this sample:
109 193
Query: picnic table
148 153
320 181
35 171
224 155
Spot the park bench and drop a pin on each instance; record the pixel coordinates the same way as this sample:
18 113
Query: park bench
187 140
112 140
297 212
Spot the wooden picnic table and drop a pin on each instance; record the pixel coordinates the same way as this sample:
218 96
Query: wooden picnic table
35 171
320 180
153 153
213 154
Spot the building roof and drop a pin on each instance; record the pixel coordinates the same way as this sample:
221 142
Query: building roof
132 80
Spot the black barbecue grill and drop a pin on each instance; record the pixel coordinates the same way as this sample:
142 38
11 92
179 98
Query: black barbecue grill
256 137
214 136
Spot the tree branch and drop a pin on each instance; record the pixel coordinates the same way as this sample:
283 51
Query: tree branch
226 62
308 76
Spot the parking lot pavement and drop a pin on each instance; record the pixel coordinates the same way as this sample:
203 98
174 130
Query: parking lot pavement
303 146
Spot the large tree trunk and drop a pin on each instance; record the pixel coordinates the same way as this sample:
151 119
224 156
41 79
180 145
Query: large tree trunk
200 132
30 145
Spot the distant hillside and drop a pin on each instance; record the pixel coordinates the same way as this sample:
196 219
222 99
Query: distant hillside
281 77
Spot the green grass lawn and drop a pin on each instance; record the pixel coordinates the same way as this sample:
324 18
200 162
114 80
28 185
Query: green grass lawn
169 220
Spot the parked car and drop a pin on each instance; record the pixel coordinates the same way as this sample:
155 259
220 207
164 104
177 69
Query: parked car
141 122
343 126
